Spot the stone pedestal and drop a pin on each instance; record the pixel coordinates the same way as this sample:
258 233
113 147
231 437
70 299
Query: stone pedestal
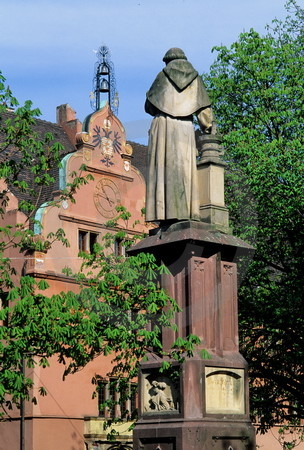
204 403
211 182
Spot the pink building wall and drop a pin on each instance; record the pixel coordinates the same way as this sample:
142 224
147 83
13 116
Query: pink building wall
57 420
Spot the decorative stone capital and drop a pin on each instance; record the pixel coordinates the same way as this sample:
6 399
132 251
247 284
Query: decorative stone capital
210 150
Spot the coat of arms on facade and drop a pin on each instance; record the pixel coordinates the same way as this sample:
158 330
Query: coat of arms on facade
108 141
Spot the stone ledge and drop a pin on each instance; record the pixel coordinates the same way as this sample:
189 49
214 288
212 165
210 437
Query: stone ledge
197 232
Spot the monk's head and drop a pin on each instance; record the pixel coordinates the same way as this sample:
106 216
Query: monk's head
174 53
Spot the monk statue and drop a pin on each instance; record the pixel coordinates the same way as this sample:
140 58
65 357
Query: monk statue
176 94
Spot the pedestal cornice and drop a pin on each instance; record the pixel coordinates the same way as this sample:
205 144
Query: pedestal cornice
196 232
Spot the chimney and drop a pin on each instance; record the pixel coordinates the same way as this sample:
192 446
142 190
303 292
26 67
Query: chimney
66 118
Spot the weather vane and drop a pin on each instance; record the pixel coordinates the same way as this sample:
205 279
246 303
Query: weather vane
104 81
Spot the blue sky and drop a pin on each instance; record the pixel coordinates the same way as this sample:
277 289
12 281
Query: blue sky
47 46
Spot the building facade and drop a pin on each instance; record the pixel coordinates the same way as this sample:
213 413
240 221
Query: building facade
68 417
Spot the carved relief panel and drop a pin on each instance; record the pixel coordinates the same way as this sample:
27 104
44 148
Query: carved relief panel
160 394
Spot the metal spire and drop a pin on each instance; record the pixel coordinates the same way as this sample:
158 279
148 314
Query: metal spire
104 81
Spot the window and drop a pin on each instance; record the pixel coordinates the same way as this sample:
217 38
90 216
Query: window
119 247
133 398
121 406
86 241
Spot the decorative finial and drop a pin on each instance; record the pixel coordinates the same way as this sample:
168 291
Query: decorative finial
104 81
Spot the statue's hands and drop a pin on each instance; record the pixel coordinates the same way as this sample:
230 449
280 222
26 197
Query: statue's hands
208 130
205 120
214 127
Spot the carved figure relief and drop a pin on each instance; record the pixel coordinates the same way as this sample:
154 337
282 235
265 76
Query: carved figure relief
160 395
158 399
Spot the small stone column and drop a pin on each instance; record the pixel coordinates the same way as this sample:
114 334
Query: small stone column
211 182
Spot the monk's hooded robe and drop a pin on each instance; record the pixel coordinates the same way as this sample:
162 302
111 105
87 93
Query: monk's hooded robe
172 187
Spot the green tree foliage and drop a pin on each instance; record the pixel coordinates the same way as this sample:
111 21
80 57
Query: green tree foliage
125 310
109 316
27 164
257 92
118 298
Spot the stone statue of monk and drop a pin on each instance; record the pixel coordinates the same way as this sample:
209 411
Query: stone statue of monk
176 94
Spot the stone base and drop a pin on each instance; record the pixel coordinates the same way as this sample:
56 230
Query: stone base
194 436
216 215
205 408
203 404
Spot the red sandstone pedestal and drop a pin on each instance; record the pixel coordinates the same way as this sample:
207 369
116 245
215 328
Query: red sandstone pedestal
204 403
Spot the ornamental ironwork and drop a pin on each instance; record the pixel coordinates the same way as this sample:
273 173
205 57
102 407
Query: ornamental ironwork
104 81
